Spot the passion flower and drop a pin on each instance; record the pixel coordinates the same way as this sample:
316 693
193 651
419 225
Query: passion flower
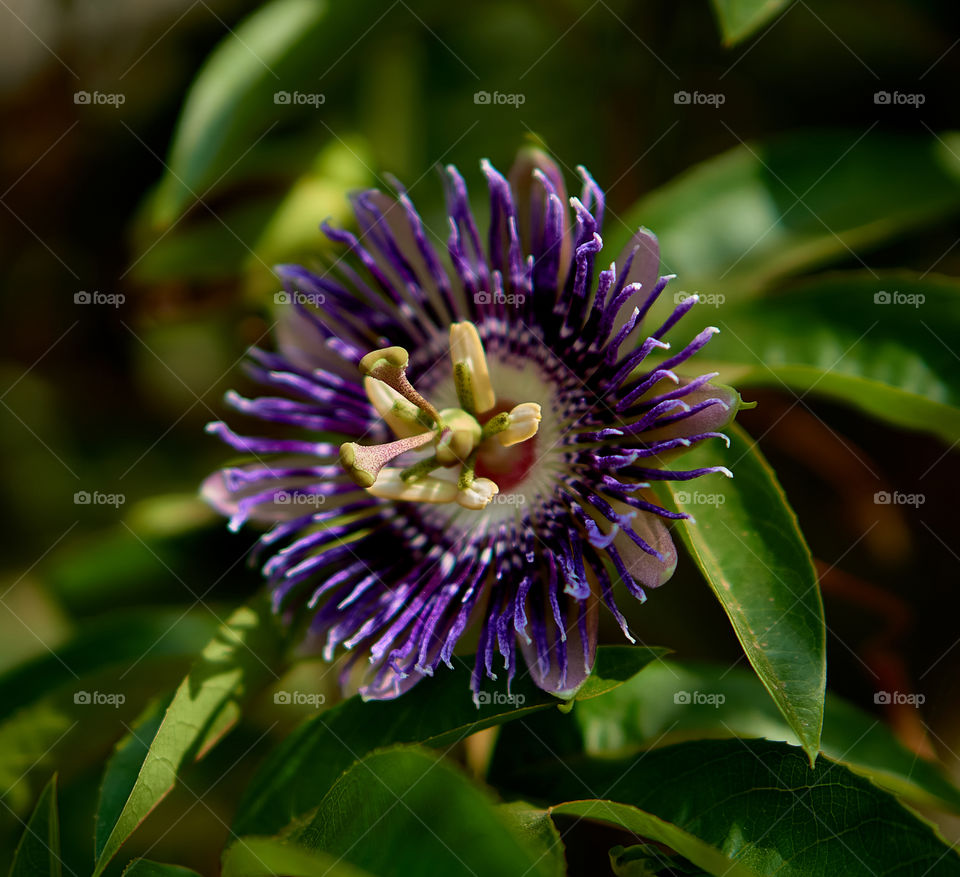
477 439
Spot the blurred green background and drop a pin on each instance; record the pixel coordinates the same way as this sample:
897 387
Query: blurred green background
171 236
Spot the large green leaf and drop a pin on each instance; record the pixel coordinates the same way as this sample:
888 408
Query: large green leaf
647 710
757 804
738 19
38 853
272 857
539 832
121 773
734 223
148 868
240 659
747 544
407 811
886 345
437 712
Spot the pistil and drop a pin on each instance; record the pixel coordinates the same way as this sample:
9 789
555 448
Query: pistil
456 433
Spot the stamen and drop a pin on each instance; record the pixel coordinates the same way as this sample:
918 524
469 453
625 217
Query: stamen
364 462
460 436
456 432
404 418
418 470
478 495
522 424
467 475
474 389
390 485
389 364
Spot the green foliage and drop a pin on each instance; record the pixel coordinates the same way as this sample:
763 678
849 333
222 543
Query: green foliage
741 221
428 818
439 712
751 552
241 658
740 18
650 709
879 343
38 853
759 806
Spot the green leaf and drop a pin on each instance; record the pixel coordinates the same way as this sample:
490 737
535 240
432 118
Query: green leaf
539 832
38 853
467 835
47 723
738 19
148 868
232 99
758 805
837 337
733 224
725 701
239 660
272 857
122 770
747 544
648 860
437 712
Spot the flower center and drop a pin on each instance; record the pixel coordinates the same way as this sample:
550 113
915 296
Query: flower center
507 466
462 454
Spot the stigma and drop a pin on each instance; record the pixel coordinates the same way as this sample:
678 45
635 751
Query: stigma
442 447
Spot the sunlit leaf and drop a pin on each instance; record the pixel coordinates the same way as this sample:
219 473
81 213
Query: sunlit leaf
271 857
738 19
148 868
465 834
737 222
886 345
747 544
233 99
121 774
241 658
38 853
69 701
671 701
437 712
